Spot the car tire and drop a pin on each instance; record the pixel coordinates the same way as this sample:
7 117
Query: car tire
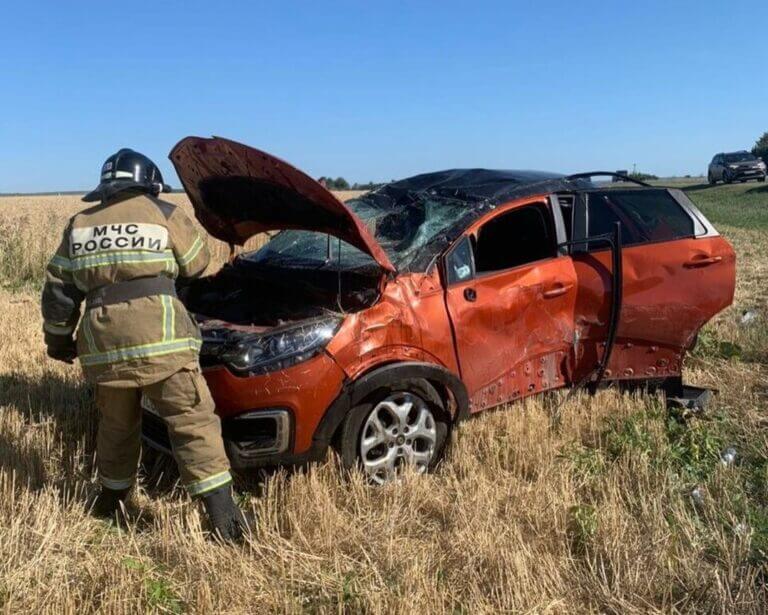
711 180
405 422
761 179
727 179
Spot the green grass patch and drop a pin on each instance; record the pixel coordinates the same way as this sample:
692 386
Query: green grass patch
732 493
738 205
583 524
748 342
161 596
708 346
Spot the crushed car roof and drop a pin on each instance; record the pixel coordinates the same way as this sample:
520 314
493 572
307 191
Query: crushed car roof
238 191
478 185
452 199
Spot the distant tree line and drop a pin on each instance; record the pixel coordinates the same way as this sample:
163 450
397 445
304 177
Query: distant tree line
761 147
643 177
342 184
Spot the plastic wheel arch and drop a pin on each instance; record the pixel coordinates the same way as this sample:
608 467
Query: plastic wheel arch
448 385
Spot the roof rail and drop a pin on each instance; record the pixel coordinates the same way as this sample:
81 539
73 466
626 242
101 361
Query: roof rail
591 174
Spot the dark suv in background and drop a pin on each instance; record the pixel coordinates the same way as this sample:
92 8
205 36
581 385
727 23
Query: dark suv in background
736 166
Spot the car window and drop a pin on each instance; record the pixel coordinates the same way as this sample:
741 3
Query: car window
402 232
740 157
520 236
645 215
460 263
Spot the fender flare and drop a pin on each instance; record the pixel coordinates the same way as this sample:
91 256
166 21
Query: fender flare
356 391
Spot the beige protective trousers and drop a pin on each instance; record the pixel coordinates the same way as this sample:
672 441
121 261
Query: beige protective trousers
184 402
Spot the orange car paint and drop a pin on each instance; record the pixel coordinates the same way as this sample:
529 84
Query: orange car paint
409 323
670 290
306 389
514 338
532 328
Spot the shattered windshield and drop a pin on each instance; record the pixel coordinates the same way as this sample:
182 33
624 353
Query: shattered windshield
401 228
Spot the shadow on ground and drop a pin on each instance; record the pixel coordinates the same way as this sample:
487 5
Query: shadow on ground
696 187
760 189
54 422
48 438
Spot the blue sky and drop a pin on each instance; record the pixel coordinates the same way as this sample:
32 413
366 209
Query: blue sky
380 90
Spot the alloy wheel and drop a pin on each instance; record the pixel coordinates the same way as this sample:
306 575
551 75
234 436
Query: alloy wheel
399 431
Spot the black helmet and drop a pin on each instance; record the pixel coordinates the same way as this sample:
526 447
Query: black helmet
127 170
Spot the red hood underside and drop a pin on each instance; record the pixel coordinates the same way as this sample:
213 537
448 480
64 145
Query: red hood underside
239 191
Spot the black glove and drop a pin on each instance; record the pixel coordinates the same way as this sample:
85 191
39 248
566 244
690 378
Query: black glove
60 348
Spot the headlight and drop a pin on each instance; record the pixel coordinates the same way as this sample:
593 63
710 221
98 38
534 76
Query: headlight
258 353
761 165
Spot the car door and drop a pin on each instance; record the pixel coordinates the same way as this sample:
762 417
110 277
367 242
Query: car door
719 167
677 273
510 296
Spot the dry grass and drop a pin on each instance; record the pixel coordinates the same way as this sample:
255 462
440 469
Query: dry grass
592 515
31 227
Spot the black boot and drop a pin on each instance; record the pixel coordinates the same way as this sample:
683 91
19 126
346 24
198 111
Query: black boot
227 520
110 503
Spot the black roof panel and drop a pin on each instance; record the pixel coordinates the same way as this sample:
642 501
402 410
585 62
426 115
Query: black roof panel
488 186
468 193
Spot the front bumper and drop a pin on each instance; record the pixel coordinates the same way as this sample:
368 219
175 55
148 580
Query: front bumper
269 419
253 439
747 173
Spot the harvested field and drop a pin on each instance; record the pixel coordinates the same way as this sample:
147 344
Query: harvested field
618 507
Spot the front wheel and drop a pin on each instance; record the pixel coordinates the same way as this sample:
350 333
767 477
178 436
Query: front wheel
710 179
761 179
403 425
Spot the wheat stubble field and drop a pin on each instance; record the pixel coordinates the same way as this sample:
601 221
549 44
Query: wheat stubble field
617 508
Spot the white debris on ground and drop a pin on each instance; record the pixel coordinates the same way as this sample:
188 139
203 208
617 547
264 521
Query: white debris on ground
748 317
697 495
728 456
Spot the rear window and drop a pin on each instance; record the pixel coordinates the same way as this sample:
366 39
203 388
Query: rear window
646 216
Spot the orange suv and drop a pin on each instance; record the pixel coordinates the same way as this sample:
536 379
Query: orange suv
377 324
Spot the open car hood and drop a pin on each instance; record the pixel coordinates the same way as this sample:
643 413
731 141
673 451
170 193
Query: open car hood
239 191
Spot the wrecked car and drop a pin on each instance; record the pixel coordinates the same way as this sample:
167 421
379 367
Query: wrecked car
376 325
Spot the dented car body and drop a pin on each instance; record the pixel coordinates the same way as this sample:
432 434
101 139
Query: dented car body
377 324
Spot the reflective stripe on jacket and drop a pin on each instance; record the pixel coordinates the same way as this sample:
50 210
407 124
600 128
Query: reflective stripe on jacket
136 342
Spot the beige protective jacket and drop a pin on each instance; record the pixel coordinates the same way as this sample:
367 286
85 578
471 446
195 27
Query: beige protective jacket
139 341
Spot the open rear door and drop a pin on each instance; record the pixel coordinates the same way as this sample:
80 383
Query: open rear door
677 272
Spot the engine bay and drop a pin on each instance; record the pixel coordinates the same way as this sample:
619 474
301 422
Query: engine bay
255 295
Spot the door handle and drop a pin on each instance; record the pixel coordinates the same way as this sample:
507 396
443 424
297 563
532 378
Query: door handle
470 294
703 261
556 291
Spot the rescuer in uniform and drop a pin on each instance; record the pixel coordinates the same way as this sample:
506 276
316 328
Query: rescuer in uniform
135 337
